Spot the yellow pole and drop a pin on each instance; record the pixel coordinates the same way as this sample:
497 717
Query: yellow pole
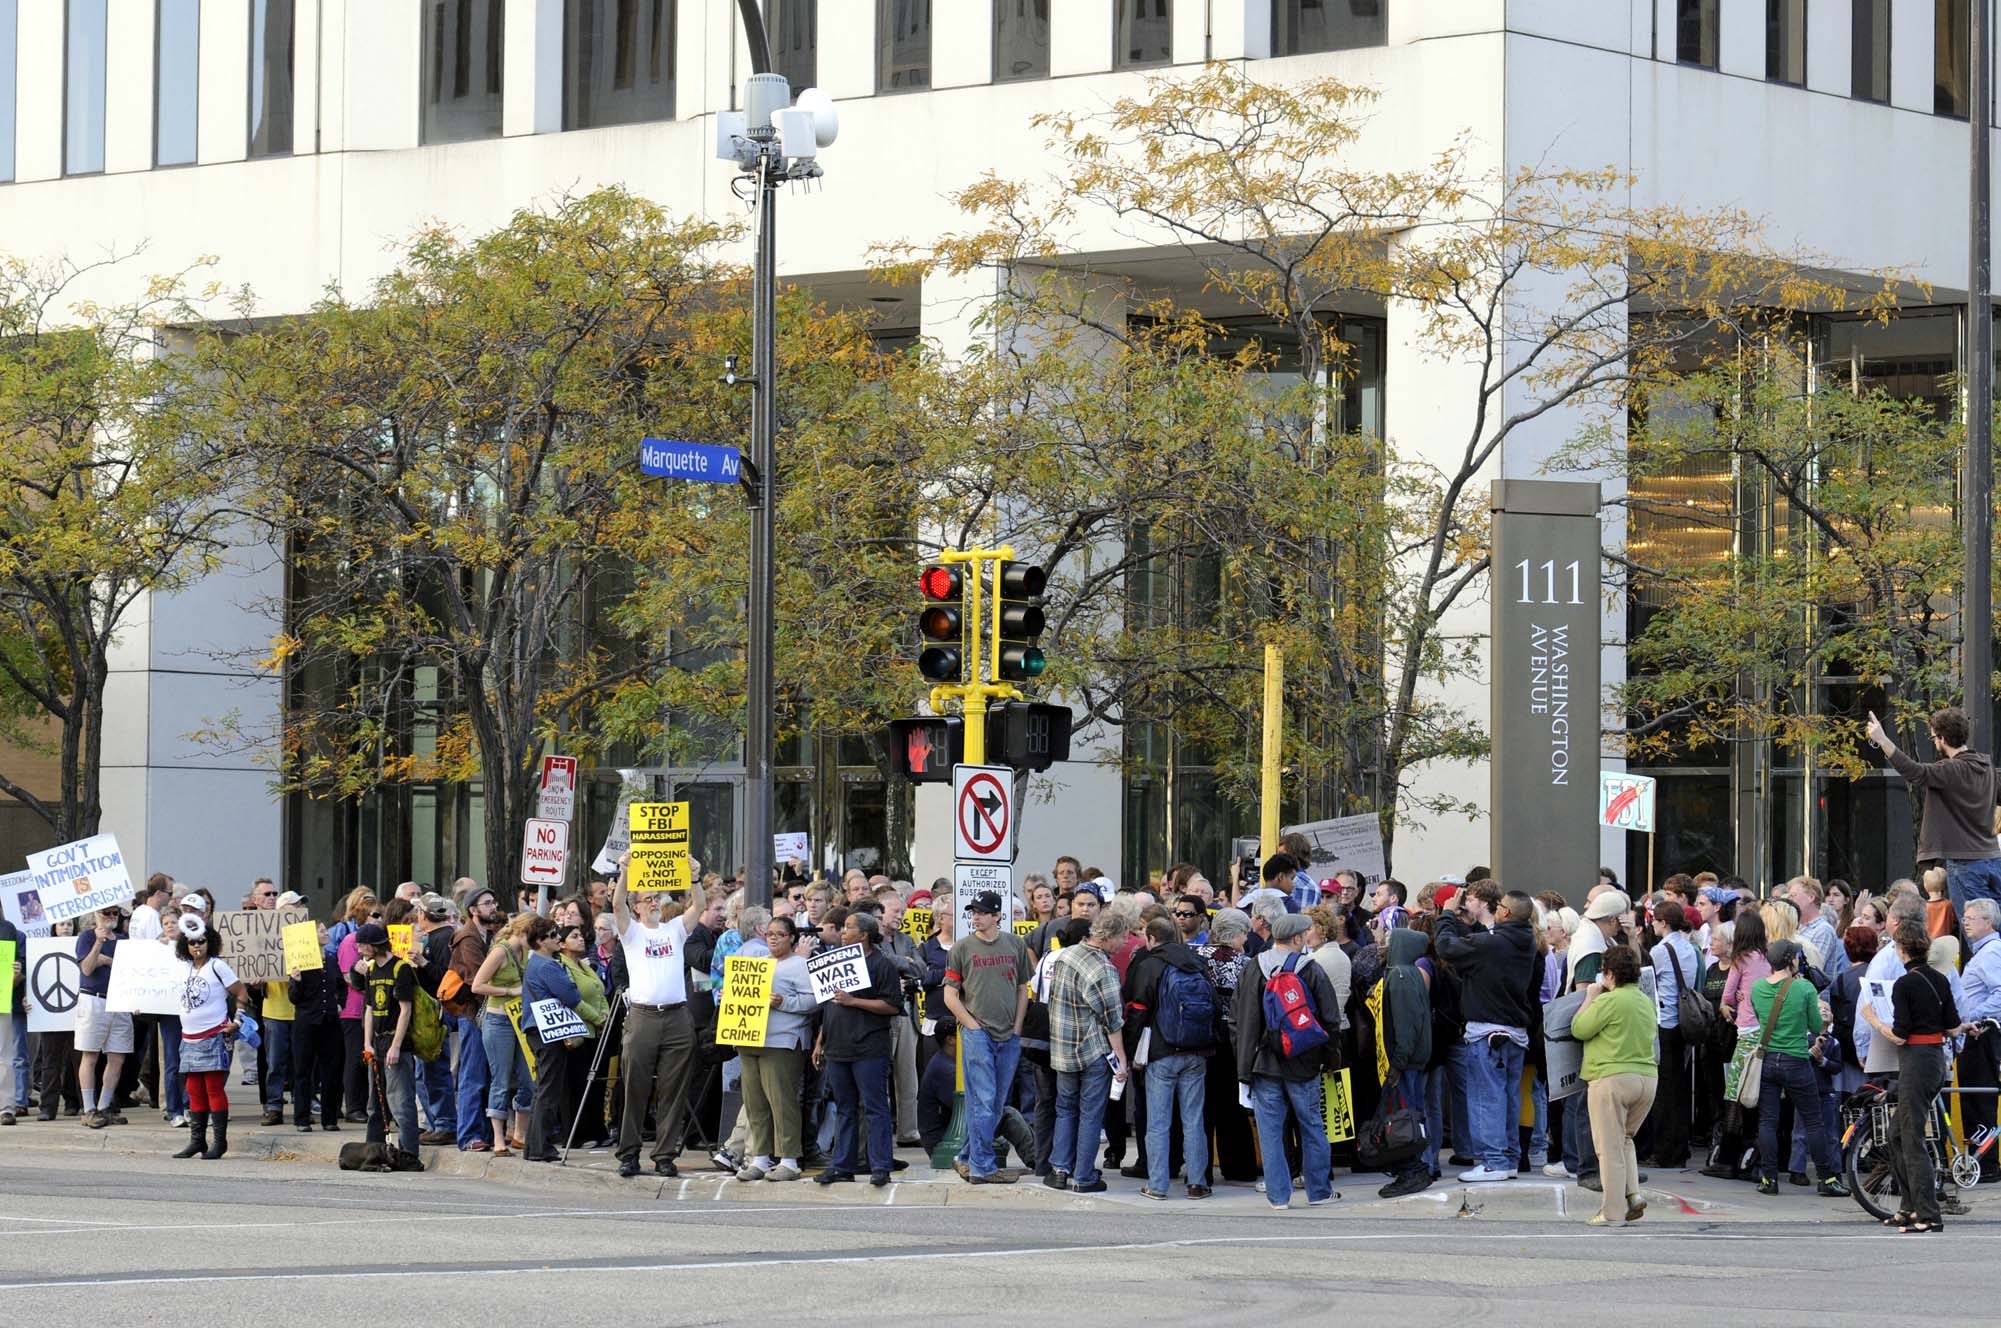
1274 703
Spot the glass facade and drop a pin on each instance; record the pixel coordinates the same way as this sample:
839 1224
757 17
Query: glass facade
271 63
464 46
1695 32
1144 34
792 27
1785 41
618 62
1869 50
176 81
1021 39
1299 27
902 45
84 39
1951 92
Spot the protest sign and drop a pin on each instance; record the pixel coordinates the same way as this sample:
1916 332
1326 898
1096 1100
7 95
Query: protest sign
1563 1054
54 980
786 847
1338 1106
619 838
1346 843
557 1022
840 969
1024 927
659 847
744 1012
21 904
403 942
916 923
252 941
302 946
81 878
145 979
513 1009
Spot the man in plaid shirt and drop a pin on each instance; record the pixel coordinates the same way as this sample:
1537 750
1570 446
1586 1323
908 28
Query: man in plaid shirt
1086 1049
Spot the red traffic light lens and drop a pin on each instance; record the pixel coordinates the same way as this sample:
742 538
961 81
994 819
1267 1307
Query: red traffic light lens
939 582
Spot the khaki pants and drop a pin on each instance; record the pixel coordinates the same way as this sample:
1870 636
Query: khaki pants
659 1049
771 1101
1619 1106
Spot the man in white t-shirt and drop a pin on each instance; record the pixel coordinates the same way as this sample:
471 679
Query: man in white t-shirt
145 924
659 1045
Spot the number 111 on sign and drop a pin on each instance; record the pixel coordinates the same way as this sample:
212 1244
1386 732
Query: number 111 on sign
1548 573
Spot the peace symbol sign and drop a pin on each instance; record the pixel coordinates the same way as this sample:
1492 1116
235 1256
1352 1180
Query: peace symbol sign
53 985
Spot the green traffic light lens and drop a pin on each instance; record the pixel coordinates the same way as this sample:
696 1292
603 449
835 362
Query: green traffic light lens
1032 662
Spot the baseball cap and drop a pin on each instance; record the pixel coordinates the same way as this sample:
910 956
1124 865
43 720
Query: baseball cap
1782 953
1608 905
290 898
373 933
1715 894
1289 926
435 906
1443 898
986 901
920 899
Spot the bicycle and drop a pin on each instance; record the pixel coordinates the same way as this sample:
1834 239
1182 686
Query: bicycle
1868 1117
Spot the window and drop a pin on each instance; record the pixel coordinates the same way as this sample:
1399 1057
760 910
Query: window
270 78
1950 42
1145 33
1785 41
1021 39
1869 49
1695 32
793 29
1300 27
618 62
462 64
902 45
176 68
9 13
83 87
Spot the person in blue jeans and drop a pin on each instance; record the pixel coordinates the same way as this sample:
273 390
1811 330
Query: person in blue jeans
469 947
986 989
1489 940
1086 1048
854 1048
1170 996
1285 1085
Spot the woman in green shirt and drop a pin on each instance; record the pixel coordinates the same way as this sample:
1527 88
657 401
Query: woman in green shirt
1616 1025
1788 1018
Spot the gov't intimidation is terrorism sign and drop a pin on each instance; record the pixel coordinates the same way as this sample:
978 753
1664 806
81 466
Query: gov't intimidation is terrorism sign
1546 606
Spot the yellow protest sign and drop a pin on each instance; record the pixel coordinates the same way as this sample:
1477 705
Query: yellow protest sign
403 942
1338 1105
513 1009
745 1008
917 923
1022 929
302 947
1374 1002
659 847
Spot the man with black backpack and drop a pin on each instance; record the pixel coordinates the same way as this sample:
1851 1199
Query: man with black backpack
1283 1012
1173 1004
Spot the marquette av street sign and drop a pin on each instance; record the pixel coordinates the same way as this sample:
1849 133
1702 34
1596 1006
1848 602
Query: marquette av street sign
670 459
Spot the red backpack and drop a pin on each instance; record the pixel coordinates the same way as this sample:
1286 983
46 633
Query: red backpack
1291 1028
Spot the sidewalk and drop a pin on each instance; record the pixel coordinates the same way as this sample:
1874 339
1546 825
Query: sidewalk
1674 1198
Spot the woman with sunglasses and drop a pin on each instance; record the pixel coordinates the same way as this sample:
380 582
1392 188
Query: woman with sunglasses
211 994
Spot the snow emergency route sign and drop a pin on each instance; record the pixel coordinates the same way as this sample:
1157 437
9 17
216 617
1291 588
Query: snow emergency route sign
983 813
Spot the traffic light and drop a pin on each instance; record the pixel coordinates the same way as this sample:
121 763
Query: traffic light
924 750
1016 656
1028 735
942 625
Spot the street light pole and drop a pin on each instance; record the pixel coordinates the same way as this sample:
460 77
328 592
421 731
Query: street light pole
1977 504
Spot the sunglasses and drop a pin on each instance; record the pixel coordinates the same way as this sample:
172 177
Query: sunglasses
1180 913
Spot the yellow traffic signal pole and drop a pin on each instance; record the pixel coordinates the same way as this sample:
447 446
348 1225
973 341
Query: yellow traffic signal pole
1274 729
974 694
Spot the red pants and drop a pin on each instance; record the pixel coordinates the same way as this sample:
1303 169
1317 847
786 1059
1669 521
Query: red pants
206 1091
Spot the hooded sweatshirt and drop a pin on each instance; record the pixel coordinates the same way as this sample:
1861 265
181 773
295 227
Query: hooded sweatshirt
1406 1003
1255 1054
1497 970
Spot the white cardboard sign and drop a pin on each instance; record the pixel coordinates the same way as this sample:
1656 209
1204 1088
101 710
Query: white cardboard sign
21 904
840 969
145 979
557 1022
54 981
81 878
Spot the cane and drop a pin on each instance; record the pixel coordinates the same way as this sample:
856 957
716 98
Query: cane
597 1059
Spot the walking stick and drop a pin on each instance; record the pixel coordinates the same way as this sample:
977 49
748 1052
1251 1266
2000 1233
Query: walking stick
597 1059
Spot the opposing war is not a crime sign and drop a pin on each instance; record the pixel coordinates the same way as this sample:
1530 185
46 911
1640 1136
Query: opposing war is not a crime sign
660 858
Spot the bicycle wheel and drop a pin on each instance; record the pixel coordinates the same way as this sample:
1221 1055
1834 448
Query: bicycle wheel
1870 1177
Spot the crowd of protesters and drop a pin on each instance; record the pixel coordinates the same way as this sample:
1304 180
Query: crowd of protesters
1171 1030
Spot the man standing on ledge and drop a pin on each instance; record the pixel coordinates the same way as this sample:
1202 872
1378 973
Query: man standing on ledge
659 1034
1958 823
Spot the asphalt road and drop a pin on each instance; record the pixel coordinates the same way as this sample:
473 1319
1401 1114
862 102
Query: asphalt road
103 1239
